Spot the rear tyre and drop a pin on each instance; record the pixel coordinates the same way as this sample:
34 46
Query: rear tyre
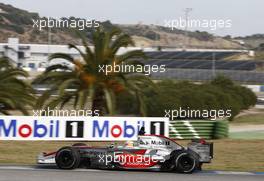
185 162
68 158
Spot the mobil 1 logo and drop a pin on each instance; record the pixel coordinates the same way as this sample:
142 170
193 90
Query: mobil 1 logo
157 127
74 129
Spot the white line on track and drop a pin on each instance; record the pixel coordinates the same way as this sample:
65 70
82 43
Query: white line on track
43 169
33 168
232 173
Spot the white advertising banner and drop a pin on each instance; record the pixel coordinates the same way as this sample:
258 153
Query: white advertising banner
79 128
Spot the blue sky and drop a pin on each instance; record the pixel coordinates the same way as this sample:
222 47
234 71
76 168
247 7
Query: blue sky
246 15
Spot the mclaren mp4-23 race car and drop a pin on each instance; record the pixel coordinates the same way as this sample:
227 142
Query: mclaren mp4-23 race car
152 152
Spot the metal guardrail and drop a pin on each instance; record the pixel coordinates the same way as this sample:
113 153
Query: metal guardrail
195 129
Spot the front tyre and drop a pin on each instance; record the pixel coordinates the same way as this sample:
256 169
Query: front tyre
185 162
67 158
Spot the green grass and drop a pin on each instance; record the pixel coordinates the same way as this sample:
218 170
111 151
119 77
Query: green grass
238 155
249 119
235 155
247 135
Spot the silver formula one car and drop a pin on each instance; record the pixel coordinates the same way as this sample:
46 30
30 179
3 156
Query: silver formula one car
148 152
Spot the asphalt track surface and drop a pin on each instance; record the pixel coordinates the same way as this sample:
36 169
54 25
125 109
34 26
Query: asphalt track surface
19 173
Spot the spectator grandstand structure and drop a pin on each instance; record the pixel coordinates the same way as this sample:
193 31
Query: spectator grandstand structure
247 77
191 54
189 64
205 65
248 65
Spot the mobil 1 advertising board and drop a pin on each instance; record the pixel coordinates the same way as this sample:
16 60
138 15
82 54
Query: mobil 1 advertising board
79 128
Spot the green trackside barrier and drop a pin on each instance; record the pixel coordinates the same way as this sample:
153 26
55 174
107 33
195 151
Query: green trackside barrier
195 129
221 129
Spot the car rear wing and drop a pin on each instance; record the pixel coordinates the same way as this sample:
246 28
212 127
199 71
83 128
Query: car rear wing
203 149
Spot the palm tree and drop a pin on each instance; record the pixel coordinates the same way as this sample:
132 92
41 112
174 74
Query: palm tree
85 79
14 92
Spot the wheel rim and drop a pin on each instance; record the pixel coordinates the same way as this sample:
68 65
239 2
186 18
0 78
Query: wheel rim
66 158
186 163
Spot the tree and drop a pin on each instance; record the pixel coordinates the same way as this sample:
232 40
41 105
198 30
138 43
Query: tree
86 80
14 92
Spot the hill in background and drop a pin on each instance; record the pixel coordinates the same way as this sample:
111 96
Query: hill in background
15 22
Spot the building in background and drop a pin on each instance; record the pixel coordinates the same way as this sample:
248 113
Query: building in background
181 64
35 56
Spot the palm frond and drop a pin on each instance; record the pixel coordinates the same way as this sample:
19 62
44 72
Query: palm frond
121 41
87 81
61 56
131 55
57 67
